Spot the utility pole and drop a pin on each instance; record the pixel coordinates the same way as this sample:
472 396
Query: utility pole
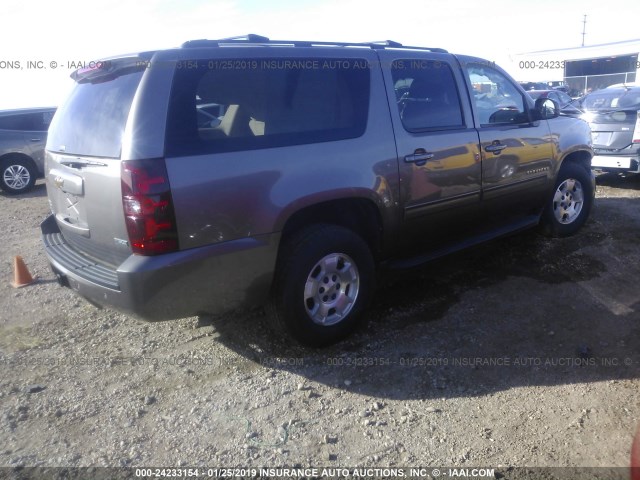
584 28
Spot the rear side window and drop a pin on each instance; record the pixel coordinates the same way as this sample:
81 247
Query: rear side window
93 119
231 105
426 95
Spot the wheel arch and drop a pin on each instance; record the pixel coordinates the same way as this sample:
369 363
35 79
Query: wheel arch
580 157
19 156
361 215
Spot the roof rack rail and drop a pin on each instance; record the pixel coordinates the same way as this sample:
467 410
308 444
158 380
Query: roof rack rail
386 43
259 39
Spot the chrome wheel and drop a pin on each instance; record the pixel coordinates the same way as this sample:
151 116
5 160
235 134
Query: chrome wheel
568 201
16 177
331 289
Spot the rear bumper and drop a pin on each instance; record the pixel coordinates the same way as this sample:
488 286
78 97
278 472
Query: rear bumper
211 279
623 163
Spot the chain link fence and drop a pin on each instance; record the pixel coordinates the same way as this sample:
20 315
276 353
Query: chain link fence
583 84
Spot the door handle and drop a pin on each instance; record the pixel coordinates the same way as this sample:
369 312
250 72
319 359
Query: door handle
419 157
495 147
35 140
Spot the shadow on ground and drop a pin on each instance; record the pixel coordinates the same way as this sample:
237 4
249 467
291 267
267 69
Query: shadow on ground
519 311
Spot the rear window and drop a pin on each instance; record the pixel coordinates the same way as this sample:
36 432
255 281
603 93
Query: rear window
93 119
614 99
230 105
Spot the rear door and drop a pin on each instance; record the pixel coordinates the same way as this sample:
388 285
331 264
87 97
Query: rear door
82 167
35 135
438 151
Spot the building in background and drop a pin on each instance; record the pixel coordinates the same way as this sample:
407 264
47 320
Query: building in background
580 69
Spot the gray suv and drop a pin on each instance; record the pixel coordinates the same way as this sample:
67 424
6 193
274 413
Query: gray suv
23 135
316 164
614 116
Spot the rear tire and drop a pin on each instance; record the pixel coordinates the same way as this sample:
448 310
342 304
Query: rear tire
324 280
17 175
570 204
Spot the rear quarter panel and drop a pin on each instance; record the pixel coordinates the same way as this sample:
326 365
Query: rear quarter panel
225 196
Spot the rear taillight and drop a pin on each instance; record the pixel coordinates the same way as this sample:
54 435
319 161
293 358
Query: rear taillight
636 131
148 207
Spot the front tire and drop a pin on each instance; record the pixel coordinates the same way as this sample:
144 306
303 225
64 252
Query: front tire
17 175
570 204
324 280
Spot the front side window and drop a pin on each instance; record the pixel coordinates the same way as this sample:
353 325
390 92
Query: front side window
497 100
564 99
426 95
231 105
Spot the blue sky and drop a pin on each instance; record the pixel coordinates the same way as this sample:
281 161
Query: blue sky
78 30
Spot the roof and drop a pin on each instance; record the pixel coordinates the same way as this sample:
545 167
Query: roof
625 47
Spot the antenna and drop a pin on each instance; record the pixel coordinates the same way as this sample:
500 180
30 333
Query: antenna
584 28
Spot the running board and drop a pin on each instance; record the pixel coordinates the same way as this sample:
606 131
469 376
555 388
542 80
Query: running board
412 262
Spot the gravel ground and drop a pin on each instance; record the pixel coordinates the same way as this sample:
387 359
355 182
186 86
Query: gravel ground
522 352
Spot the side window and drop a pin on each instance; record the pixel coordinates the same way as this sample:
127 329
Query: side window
426 95
46 118
497 100
564 99
16 122
231 105
38 122
29 122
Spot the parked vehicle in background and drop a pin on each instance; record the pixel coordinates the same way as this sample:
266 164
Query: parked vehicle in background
23 136
614 116
624 85
565 102
534 85
329 160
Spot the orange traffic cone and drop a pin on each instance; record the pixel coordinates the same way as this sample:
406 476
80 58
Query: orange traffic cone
21 275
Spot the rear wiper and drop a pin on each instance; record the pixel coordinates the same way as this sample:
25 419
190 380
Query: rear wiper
82 163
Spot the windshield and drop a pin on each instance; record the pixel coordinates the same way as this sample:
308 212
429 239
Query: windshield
612 100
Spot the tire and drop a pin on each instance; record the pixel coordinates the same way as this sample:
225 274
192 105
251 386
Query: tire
17 175
570 204
324 280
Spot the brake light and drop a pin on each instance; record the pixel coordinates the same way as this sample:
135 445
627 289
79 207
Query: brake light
148 207
636 131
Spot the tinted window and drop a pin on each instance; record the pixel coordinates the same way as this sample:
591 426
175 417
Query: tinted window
426 95
93 119
31 122
564 99
497 100
226 105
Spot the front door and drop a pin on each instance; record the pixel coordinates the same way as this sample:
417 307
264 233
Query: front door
517 154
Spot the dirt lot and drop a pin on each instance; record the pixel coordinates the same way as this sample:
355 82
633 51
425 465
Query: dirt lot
523 352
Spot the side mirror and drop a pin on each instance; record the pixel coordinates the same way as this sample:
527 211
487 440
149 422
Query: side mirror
545 109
